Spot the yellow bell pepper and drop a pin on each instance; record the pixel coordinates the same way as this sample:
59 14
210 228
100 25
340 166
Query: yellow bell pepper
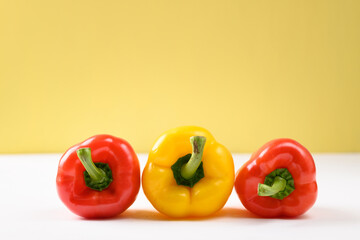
179 187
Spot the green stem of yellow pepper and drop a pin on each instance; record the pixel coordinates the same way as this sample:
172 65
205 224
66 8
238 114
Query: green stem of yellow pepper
188 170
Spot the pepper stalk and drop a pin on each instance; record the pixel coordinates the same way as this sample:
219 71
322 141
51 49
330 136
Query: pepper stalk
188 170
97 176
198 143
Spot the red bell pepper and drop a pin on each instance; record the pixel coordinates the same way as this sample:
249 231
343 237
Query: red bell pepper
103 189
278 180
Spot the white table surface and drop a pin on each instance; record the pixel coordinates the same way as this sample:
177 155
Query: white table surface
31 209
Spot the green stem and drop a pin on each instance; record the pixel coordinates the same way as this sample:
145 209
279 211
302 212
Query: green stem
278 185
96 174
189 169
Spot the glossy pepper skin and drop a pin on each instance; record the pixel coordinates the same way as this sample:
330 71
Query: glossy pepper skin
121 192
278 154
203 199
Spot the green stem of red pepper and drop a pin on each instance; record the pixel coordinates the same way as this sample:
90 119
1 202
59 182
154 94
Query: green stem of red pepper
95 173
278 185
188 170
97 176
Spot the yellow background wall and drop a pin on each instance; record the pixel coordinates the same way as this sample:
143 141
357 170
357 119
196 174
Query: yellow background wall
249 71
